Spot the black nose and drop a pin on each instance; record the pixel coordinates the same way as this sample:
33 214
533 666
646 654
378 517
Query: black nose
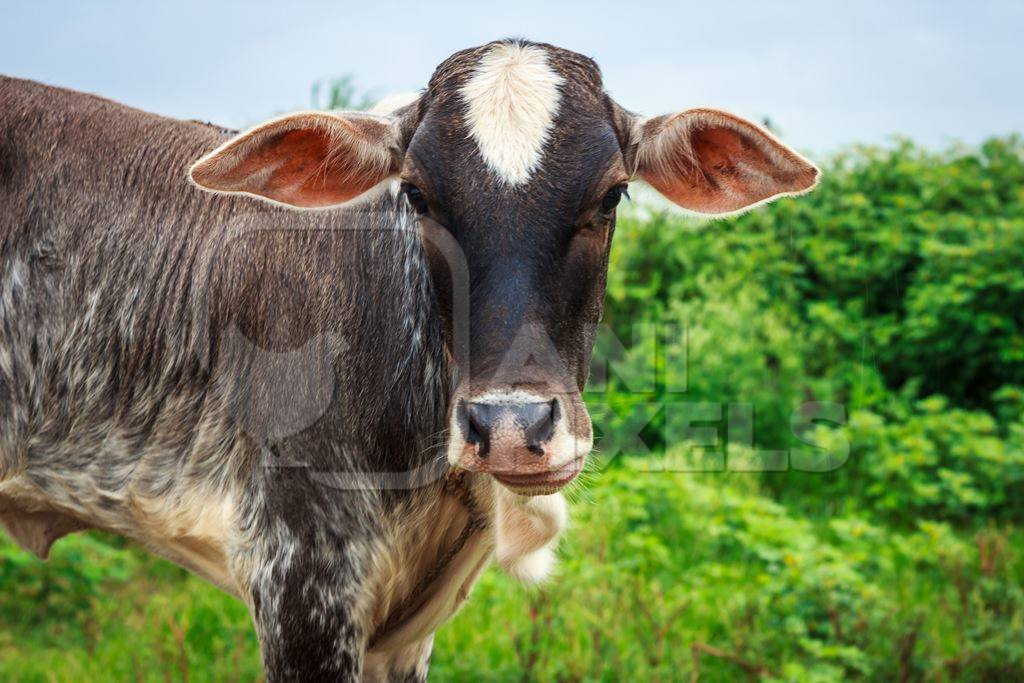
534 423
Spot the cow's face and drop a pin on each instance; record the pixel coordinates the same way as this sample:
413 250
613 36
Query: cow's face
514 160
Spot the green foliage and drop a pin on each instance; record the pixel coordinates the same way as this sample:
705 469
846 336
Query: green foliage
661 564
926 460
895 291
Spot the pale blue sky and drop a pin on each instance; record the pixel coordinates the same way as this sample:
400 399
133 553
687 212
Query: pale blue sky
828 73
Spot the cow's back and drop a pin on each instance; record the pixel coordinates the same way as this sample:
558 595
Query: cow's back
93 203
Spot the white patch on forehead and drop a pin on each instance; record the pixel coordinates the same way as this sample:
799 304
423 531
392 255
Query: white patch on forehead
512 99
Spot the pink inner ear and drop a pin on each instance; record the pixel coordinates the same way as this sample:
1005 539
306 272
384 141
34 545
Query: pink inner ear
298 169
310 166
716 163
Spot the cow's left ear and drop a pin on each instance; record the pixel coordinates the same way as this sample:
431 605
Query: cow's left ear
306 160
712 162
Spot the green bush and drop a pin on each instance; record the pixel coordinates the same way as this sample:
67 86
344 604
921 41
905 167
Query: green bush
661 566
925 460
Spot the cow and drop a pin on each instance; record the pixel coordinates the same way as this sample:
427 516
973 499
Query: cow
332 364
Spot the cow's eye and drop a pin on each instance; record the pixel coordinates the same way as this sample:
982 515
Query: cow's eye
612 199
416 198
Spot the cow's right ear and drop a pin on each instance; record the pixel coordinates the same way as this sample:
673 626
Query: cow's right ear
307 160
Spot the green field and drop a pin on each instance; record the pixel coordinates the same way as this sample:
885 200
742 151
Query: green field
866 342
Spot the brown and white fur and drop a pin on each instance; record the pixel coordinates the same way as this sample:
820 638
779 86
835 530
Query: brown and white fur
339 414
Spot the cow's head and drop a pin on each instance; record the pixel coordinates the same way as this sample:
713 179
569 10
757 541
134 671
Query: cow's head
516 154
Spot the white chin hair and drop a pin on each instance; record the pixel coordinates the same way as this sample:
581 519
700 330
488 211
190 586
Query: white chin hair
532 568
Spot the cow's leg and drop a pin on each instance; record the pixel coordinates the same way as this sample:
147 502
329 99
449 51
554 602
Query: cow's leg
302 567
303 601
409 664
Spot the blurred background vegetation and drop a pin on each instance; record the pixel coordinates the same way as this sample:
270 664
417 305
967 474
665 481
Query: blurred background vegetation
895 290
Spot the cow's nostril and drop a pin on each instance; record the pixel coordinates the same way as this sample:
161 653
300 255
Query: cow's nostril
538 424
477 426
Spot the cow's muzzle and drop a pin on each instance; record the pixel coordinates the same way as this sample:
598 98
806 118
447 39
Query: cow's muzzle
531 444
